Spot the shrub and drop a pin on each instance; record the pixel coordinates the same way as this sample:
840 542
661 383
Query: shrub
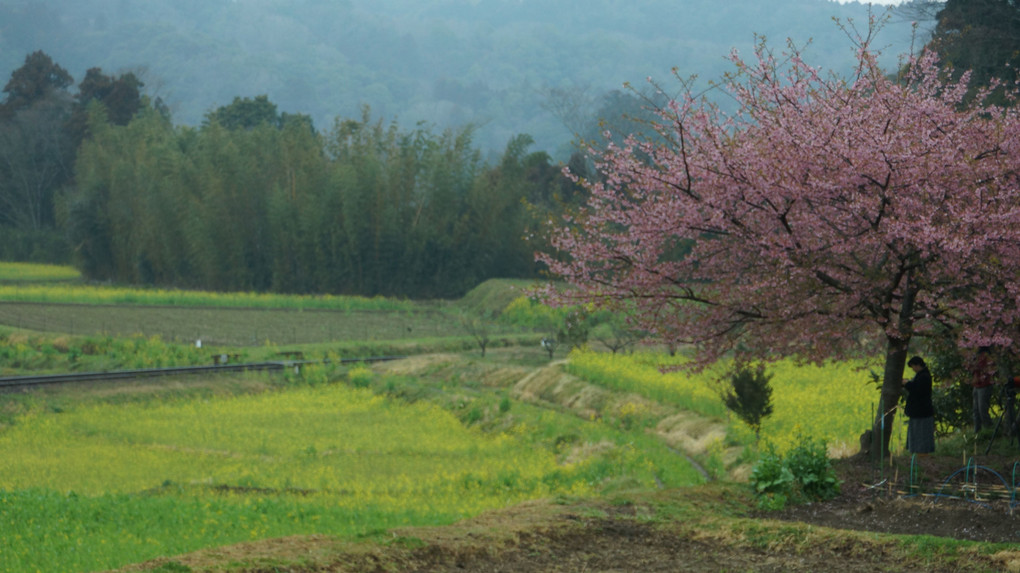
805 473
577 324
529 313
360 377
749 396
474 415
770 475
953 408
809 463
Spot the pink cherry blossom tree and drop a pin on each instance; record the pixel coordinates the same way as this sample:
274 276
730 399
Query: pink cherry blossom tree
825 217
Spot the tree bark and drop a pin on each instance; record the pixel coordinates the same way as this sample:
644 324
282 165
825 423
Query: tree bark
892 389
897 347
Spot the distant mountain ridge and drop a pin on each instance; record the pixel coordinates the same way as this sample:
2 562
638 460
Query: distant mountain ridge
445 62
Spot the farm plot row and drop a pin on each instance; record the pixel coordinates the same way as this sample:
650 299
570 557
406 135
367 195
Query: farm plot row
232 327
33 273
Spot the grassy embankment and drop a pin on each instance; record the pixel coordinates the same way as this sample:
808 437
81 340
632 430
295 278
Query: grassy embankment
832 402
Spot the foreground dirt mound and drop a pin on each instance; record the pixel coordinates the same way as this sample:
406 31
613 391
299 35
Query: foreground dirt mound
599 536
611 545
957 519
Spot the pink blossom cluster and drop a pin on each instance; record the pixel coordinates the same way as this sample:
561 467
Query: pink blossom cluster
825 213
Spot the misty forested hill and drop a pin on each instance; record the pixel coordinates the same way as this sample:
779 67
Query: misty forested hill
446 62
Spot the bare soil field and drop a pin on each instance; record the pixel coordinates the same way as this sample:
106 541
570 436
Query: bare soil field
624 535
231 327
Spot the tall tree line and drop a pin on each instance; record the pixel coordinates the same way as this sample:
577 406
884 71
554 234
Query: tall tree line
41 125
256 200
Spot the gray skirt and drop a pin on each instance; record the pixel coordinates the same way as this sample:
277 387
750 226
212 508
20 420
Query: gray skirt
921 435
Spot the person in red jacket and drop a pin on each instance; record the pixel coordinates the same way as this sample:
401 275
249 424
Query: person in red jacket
982 371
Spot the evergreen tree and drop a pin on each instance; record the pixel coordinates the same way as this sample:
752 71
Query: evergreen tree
121 95
38 79
982 37
36 156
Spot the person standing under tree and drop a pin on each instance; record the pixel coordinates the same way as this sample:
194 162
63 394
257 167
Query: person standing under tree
982 371
1006 365
919 408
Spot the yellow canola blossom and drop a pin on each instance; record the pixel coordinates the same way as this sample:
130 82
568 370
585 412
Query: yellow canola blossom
86 294
344 444
834 402
27 272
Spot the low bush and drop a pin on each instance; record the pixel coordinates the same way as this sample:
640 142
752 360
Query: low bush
804 474
360 376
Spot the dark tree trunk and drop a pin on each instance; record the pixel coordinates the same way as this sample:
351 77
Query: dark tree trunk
897 348
892 389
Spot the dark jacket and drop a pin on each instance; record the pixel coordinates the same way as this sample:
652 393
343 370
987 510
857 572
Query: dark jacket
919 396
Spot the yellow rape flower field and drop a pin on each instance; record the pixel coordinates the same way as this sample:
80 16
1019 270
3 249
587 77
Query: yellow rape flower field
834 402
102 485
34 272
333 440
15 291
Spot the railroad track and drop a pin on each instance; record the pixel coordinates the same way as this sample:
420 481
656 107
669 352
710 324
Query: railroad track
9 382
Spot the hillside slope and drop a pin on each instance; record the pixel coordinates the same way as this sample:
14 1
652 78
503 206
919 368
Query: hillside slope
447 62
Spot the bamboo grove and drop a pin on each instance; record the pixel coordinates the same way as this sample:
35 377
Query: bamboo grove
364 208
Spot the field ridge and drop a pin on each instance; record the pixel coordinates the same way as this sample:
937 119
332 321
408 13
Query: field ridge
692 435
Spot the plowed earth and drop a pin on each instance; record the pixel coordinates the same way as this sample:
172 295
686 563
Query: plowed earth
633 536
